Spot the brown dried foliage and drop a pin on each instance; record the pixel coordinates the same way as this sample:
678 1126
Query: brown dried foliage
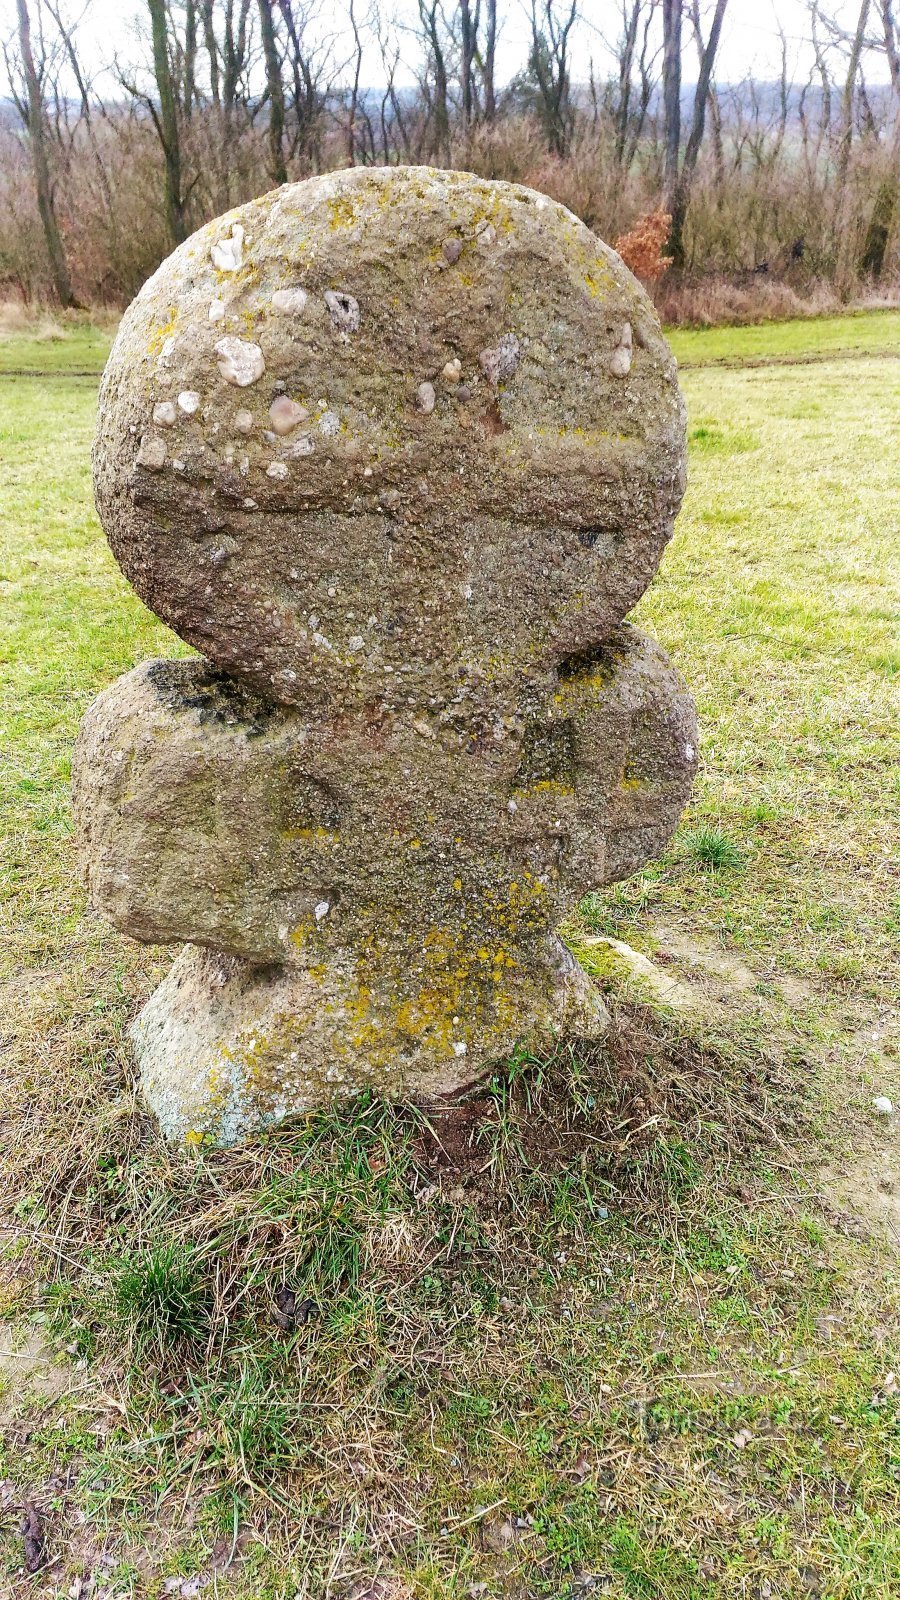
641 248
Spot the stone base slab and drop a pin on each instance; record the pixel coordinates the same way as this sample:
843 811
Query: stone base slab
226 1048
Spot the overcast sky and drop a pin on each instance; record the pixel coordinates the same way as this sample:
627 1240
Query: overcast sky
750 39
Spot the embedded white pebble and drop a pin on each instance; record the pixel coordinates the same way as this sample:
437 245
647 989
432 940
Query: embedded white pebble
164 414
249 504
177 464
167 351
276 469
152 454
355 641
285 414
243 421
322 910
228 253
485 235
189 401
883 1105
460 1048
290 302
239 361
217 310
425 398
329 423
452 371
620 361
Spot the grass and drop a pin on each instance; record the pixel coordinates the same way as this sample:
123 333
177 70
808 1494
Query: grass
605 1328
160 1298
857 333
713 849
54 345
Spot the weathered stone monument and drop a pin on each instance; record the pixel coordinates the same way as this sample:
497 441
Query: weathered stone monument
396 451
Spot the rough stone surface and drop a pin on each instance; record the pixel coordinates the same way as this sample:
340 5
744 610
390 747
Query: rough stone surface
208 815
226 1047
397 450
470 540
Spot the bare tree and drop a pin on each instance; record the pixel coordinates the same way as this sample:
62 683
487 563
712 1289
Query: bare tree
308 62
846 137
881 220
275 89
469 26
32 109
353 99
488 61
679 178
549 67
166 113
228 40
628 102
671 10
434 81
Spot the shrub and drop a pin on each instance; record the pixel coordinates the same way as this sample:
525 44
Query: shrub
641 248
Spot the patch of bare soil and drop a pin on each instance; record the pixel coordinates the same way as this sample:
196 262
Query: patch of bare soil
722 977
864 1193
29 1370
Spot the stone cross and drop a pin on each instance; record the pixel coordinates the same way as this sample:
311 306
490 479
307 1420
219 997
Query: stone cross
395 451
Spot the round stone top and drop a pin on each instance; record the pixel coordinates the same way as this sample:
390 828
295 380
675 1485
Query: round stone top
390 424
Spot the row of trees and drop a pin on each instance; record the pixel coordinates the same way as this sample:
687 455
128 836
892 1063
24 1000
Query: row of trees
616 110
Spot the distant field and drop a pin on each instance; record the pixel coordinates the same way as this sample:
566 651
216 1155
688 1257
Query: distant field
64 347
638 1334
863 332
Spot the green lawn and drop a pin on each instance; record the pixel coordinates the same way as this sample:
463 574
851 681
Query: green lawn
62 347
857 333
630 1335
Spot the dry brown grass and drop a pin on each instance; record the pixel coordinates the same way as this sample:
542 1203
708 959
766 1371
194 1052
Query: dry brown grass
719 302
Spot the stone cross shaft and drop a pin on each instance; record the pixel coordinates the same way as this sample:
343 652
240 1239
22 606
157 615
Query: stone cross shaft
396 451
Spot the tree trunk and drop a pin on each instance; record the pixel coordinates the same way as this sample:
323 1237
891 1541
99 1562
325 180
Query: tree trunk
856 50
277 168
353 107
59 266
169 130
490 50
671 99
468 47
682 195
